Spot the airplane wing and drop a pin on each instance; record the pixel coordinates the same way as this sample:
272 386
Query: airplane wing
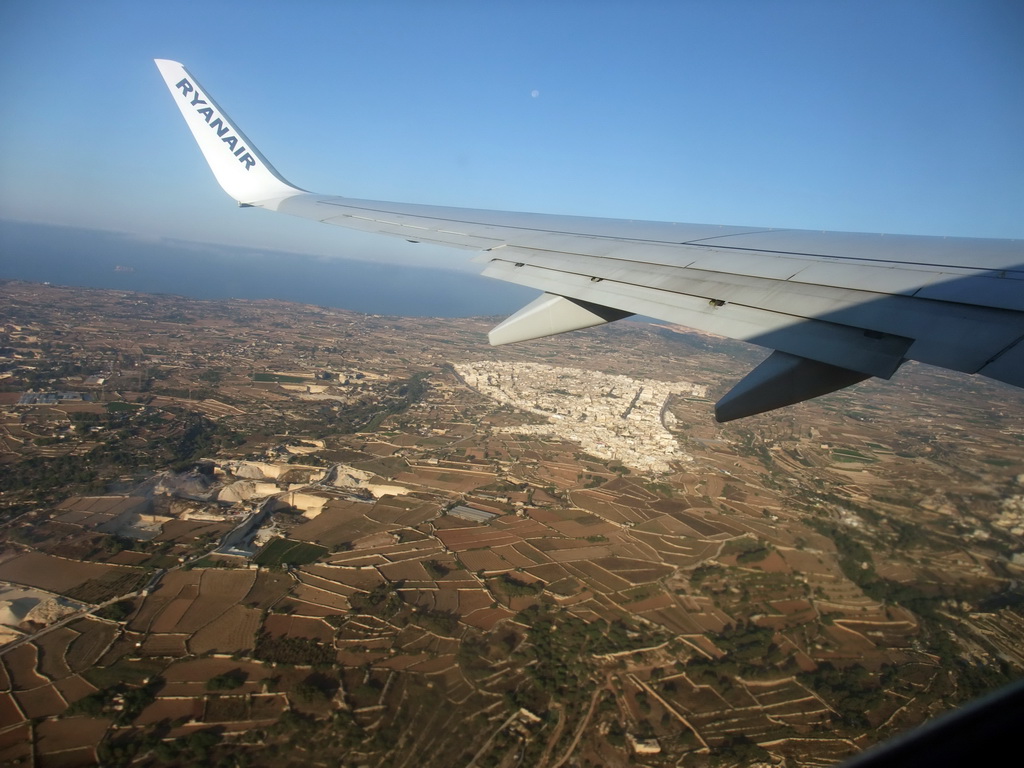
836 307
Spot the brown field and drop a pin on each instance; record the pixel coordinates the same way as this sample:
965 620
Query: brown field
267 589
677 551
573 554
94 637
226 709
54 574
298 626
187 531
380 449
164 645
402 511
300 608
513 556
474 599
108 586
410 570
171 615
360 659
174 584
201 670
74 687
460 481
359 558
403 661
523 527
550 573
218 591
339 522
600 503
331 600
583 526
363 580
634 571
438 664
267 707
483 560
487 618
15 745
666 524
73 758
234 631
654 603
545 517
9 712
170 709
121 647
446 600
531 553
462 539
21 665
70 733
52 649
596 577
127 557
414 550
325 585
41 702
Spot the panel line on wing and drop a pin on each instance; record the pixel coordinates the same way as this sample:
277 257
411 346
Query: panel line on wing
833 343
465 216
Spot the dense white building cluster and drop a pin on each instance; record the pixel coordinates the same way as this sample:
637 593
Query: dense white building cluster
612 417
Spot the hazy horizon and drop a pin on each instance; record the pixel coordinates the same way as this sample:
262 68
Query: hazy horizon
94 258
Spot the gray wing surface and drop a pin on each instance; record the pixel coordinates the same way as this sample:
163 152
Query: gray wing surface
835 307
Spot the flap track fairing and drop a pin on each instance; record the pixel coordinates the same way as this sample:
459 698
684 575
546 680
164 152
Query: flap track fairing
548 315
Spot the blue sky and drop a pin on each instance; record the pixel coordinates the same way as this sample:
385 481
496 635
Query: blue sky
865 116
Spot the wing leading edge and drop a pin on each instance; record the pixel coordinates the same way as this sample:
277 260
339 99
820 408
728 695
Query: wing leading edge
836 308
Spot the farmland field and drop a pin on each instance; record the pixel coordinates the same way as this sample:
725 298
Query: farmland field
174 585
40 702
132 672
335 603
171 615
73 733
201 670
9 713
170 709
55 574
94 637
21 665
73 688
280 551
108 586
298 626
218 591
267 589
53 647
164 645
232 632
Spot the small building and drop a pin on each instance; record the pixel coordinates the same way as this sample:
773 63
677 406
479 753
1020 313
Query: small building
644 746
471 514
52 398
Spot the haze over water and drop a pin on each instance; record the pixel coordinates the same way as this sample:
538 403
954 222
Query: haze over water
100 259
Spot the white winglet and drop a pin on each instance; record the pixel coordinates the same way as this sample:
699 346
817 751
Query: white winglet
240 168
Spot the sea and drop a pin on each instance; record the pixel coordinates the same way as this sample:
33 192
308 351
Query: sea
91 258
